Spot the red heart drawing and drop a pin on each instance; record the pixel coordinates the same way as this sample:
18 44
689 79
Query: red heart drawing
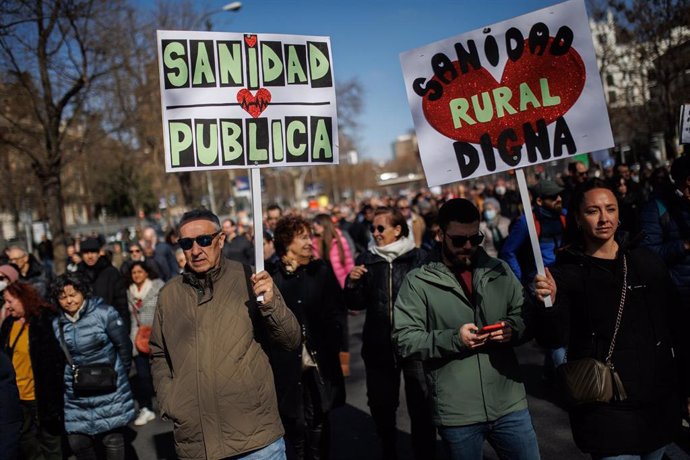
250 40
254 104
565 75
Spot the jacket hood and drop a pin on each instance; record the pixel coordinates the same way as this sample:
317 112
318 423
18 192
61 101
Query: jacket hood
91 304
438 273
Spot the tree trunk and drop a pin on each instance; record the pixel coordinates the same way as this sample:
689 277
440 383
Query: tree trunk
185 179
51 187
298 183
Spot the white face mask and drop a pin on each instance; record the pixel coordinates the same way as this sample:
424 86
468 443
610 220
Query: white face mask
490 214
3 285
500 190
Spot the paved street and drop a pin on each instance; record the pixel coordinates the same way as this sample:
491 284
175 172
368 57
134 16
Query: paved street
354 433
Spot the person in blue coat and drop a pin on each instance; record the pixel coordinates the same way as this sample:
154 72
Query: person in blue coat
93 333
549 219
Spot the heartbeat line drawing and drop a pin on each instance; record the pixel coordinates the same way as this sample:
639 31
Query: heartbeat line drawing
254 104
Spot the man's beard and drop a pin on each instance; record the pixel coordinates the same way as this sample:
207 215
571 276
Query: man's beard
463 262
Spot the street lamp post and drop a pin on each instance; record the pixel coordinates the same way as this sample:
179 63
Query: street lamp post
231 7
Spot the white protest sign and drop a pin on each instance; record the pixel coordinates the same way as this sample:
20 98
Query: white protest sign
233 100
685 124
513 94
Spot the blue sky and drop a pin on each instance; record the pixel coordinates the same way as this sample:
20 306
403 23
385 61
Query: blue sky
367 38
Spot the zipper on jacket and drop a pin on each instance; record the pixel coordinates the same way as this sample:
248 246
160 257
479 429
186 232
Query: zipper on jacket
390 310
198 371
481 385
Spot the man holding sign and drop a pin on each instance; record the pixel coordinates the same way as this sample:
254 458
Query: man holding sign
462 316
212 377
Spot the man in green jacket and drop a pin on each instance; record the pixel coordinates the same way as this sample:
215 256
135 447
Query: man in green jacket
212 377
477 391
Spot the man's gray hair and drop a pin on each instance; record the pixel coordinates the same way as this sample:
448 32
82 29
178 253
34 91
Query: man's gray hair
198 214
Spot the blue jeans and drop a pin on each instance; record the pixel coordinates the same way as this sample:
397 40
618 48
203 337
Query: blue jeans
273 451
144 381
656 455
512 437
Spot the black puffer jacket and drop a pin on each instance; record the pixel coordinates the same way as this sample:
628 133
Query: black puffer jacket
314 296
376 292
587 303
107 283
47 364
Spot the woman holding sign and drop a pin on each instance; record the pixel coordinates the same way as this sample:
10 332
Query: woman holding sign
615 308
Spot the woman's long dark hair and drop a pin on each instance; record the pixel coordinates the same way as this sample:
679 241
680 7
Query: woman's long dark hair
30 298
150 272
573 235
329 237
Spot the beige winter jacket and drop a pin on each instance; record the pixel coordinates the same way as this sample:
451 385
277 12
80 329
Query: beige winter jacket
212 378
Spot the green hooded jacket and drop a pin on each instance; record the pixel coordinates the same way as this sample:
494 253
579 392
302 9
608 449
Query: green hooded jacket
467 386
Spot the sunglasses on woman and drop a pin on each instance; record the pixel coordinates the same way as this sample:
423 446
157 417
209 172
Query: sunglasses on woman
202 240
460 240
380 228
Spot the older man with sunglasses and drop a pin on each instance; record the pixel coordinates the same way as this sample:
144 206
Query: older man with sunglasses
212 377
463 315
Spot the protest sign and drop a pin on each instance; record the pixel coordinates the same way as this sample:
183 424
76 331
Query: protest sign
685 124
232 100
513 94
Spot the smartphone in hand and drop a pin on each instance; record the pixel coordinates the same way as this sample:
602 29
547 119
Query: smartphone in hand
490 328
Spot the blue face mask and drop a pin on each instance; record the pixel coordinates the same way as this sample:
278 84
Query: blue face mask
490 214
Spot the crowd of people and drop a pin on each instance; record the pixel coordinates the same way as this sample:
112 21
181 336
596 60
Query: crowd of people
251 365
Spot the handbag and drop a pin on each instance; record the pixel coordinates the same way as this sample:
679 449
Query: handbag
588 380
141 340
307 359
97 378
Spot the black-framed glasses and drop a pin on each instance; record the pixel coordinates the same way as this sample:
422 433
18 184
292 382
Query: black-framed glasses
135 250
460 240
380 228
202 240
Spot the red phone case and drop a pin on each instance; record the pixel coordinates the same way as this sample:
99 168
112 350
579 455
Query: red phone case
490 328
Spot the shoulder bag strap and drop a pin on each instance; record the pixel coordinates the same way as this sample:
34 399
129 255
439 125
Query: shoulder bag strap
135 310
16 339
63 345
620 311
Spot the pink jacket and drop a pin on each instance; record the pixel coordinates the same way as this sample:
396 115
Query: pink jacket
341 270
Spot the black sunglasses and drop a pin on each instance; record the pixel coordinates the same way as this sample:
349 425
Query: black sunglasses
460 240
201 240
380 228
